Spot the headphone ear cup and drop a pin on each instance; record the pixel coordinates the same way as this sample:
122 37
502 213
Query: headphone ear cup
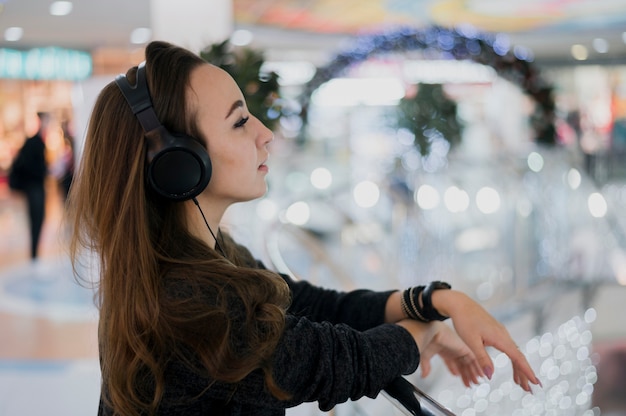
180 169
178 166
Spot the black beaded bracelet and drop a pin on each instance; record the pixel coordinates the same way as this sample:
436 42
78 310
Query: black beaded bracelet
410 303
428 310
422 311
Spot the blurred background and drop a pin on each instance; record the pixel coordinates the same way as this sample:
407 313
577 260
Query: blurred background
478 142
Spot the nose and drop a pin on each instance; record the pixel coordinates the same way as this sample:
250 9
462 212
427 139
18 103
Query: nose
265 135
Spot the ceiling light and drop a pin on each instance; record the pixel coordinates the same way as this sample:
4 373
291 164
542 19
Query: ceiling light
61 8
455 199
427 197
579 52
366 194
140 35
597 205
488 200
241 37
535 162
298 213
321 178
601 45
13 34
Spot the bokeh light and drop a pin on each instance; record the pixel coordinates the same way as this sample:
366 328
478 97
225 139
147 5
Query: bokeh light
366 194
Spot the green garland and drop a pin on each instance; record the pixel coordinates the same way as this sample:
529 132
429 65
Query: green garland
429 113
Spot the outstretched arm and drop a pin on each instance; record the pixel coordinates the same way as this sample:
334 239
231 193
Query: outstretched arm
476 328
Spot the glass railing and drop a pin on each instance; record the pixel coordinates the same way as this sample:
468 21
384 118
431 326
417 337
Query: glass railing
536 264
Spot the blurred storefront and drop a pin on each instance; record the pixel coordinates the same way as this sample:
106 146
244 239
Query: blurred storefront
48 80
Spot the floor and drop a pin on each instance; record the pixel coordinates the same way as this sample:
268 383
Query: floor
48 347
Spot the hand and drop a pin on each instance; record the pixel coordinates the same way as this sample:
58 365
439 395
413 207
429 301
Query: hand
478 329
438 338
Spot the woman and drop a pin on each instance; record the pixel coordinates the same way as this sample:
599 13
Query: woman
190 322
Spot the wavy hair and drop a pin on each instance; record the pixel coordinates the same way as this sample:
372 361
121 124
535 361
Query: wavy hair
162 294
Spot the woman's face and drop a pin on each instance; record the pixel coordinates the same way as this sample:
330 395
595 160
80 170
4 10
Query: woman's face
236 140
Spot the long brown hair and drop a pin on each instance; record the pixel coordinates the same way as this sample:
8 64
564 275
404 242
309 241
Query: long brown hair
163 295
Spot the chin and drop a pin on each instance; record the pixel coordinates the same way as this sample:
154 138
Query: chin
261 194
255 195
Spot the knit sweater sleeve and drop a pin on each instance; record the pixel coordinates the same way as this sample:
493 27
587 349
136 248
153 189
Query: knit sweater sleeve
333 363
321 362
361 309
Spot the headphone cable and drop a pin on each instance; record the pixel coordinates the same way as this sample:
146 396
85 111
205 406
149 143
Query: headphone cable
217 243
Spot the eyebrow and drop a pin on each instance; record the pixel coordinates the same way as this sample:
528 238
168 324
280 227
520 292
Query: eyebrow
237 104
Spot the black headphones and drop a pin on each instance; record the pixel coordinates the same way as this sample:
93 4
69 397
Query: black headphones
178 166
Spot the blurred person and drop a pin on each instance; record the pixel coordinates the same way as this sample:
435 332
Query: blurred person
27 175
63 167
190 322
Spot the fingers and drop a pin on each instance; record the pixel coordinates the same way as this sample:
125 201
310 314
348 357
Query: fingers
453 368
521 366
470 371
522 371
425 366
483 360
466 356
466 367
523 374
522 382
477 372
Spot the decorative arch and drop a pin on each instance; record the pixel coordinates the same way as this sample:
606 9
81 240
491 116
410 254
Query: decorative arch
462 43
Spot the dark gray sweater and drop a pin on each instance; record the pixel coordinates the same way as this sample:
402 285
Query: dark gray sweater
335 348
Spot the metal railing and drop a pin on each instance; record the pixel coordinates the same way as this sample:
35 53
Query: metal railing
411 401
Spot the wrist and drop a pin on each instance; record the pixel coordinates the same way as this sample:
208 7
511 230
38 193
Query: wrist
417 330
416 302
447 302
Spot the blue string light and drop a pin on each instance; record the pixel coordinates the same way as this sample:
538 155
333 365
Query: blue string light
461 43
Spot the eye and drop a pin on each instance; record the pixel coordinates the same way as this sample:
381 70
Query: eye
242 122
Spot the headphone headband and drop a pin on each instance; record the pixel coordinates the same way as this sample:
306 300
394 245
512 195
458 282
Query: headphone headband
178 166
138 98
